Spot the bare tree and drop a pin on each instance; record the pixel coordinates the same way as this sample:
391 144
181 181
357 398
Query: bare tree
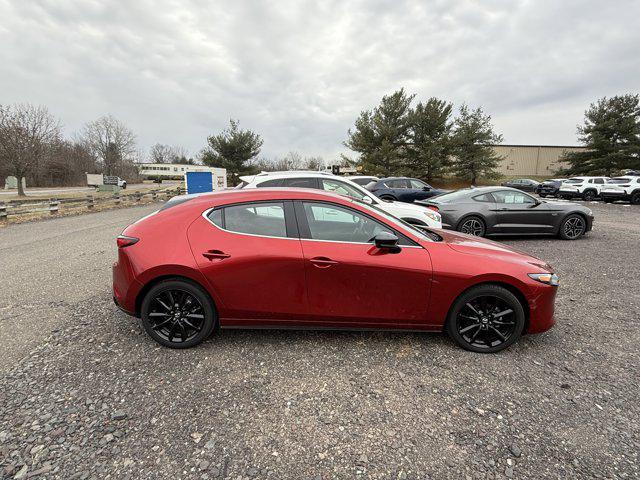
111 142
160 153
27 132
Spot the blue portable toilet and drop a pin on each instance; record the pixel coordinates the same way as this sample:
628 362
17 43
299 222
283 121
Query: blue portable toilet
199 182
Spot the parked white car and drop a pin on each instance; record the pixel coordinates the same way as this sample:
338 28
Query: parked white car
622 188
587 188
411 213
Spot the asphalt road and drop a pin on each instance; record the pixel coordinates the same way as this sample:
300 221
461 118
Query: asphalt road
85 393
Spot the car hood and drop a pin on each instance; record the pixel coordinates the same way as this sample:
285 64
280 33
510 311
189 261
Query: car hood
471 245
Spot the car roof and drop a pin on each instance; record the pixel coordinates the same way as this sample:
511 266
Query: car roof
264 194
287 174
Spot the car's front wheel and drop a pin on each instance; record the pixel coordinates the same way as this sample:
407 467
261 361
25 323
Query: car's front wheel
589 195
486 319
635 198
573 227
177 314
472 226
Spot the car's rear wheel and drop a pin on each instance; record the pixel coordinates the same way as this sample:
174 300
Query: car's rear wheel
177 314
573 227
589 195
635 198
472 226
486 319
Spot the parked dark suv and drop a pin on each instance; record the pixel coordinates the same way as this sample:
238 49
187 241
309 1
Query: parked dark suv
549 188
524 184
403 189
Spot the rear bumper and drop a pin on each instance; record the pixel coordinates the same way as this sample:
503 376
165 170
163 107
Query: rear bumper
125 287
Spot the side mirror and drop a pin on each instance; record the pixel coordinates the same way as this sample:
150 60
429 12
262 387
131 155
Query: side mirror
426 189
386 241
367 199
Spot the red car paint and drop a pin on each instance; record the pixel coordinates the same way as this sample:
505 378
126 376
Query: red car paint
257 281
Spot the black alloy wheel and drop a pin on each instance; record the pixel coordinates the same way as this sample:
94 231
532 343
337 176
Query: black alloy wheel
486 319
635 198
472 226
573 227
589 195
177 314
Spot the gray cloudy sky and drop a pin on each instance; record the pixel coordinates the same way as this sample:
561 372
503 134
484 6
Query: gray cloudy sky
299 72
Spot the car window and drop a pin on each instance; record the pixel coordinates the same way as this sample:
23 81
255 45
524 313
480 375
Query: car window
417 184
619 180
362 180
301 182
574 180
341 188
266 219
339 224
485 197
397 183
599 180
507 196
216 217
270 183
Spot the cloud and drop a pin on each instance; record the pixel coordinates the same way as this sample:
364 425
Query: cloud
299 72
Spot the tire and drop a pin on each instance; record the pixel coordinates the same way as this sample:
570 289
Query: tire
589 195
164 322
472 225
486 319
124 186
572 227
635 198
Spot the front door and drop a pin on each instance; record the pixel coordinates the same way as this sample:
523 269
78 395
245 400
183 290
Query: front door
252 258
517 212
351 283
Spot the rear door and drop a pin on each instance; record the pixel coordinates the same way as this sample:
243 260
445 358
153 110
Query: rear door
252 258
350 283
517 212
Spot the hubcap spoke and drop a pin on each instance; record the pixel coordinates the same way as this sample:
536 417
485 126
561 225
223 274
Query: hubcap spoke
486 321
466 329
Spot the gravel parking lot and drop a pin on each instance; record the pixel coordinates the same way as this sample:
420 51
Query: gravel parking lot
84 393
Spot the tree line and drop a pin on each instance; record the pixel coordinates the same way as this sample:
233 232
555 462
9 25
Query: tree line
425 140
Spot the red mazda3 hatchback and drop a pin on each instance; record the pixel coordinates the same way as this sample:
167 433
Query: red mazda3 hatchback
289 258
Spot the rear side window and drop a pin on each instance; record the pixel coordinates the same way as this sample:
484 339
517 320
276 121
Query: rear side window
301 182
599 180
341 188
270 183
264 219
397 183
485 197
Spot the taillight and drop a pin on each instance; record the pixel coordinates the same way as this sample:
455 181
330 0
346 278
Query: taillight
124 241
433 207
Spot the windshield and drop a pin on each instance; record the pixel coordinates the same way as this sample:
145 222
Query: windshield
398 222
454 196
619 180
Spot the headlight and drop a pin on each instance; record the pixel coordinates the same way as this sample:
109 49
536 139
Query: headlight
548 278
435 216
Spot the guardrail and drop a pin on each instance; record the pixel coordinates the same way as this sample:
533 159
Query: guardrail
53 206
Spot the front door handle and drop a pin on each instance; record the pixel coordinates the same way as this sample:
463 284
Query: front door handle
323 262
215 255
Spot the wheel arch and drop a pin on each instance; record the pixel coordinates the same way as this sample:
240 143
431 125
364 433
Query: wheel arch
161 278
507 286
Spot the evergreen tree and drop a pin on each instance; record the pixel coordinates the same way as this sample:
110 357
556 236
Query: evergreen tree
611 133
473 141
429 139
381 135
233 149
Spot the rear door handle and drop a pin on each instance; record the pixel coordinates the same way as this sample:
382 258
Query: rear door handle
323 262
215 254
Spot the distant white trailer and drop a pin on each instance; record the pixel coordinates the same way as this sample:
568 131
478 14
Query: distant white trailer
178 170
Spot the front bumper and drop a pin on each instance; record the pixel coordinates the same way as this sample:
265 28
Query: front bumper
615 195
541 299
